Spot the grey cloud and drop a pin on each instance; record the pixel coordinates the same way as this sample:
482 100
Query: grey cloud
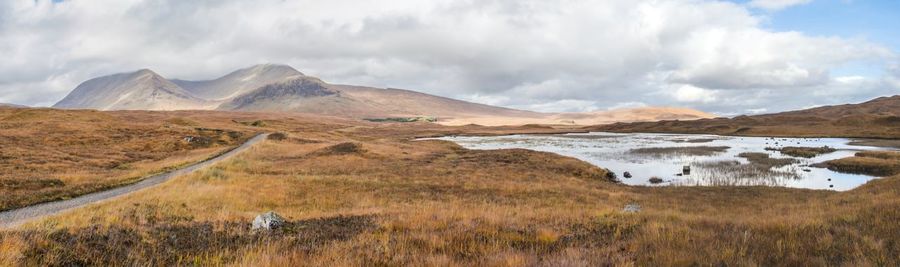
551 56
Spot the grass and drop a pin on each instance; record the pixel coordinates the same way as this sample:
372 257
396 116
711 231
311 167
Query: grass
892 143
392 201
803 152
51 154
763 159
689 151
875 163
877 126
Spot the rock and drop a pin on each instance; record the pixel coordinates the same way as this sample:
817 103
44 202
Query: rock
627 175
655 180
268 221
632 208
807 170
686 170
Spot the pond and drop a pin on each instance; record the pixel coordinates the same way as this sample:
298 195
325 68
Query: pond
690 159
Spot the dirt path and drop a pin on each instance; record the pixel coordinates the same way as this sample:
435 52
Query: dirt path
12 218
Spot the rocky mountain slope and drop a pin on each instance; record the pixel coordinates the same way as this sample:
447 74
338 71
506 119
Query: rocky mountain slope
239 82
140 90
280 88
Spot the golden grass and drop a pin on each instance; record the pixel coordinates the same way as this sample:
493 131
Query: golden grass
51 154
876 163
363 194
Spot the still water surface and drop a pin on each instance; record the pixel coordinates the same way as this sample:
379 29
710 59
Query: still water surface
617 153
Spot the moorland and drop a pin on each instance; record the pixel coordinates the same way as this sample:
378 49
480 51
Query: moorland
366 193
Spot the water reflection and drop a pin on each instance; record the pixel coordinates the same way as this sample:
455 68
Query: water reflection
712 160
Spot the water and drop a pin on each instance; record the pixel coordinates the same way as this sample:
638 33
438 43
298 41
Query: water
615 152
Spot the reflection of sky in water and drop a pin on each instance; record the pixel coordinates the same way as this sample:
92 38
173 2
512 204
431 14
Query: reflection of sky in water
611 151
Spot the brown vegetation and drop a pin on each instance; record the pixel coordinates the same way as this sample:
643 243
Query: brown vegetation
393 201
875 163
51 154
764 160
689 150
879 118
803 152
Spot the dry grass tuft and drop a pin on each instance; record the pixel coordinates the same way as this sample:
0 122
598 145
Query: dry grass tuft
803 152
690 151
763 160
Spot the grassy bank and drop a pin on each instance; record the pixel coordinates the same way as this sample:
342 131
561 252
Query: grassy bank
875 163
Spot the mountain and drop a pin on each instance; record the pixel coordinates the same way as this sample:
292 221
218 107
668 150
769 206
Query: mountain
280 88
877 118
882 106
312 95
239 82
140 90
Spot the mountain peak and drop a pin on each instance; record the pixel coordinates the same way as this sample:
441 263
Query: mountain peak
240 81
270 68
145 73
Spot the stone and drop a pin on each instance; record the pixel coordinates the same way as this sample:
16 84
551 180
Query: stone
627 175
632 208
268 221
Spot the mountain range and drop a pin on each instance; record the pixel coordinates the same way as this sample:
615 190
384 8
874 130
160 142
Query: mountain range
281 88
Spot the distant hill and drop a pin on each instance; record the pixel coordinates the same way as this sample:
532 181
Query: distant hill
280 88
587 118
878 118
5 105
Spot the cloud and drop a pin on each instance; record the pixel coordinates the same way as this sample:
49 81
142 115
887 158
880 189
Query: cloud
690 93
552 56
777 4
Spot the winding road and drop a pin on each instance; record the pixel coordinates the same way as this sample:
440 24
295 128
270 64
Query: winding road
12 218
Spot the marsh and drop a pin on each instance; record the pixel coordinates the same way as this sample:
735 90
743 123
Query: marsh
716 161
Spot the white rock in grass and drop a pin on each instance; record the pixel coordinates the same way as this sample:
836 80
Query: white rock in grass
632 208
268 221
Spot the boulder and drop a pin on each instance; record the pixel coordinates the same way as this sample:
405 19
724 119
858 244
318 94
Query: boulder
268 221
632 208
627 175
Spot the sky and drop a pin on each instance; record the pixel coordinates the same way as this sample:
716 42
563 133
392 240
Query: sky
724 57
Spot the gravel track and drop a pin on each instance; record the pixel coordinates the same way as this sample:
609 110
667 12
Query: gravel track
12 218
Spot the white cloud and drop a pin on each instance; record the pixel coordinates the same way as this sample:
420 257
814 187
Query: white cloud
627 105
565 105
690 93
757 110
777 4
546 55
